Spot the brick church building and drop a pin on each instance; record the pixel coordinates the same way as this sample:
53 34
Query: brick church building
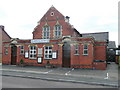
57 41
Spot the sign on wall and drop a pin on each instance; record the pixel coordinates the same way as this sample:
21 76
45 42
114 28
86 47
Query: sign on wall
39 60
26 54
54 54
40 40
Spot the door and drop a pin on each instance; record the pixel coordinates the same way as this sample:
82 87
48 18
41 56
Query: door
66 55
13 54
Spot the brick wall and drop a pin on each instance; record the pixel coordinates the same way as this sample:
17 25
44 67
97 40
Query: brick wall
100 52
3 36
67 29
96 52
6 59
55 62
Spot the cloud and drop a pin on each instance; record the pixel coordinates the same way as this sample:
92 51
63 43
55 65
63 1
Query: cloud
107 20
21 16
113 36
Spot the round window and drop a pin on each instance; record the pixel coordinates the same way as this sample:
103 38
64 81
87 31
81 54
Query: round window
52 13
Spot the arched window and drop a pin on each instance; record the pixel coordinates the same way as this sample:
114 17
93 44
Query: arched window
58 31
46 32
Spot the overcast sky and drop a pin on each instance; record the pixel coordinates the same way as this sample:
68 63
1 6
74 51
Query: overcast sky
88 16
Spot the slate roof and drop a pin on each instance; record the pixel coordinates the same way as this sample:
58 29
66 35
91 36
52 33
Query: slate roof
100 36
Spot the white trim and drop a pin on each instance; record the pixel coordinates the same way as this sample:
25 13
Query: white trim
32 52
85 49
21 50
57 30
46 29
47 52
52 14
76 49
40 52
6 50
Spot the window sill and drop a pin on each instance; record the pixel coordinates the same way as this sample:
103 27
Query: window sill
21 54
32 58
85 54
47 58
76 54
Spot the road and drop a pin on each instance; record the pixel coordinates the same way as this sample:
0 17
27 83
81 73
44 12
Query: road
63 78
38 77
17 82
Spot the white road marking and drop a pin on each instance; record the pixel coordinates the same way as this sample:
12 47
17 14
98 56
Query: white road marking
72 69
107 76
48 71
67 73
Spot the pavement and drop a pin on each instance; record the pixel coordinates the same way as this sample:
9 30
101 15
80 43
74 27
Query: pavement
107 77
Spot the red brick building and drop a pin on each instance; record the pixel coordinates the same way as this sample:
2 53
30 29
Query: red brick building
57 41
3 37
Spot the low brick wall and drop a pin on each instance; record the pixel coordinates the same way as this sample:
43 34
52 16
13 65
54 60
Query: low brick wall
82 66
99 65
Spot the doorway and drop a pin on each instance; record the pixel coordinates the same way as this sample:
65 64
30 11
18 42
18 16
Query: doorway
13 54
66 55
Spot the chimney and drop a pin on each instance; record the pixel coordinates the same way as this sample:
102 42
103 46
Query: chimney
2 27
67 19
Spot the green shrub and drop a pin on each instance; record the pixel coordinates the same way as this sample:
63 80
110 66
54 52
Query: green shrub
48 62
21 61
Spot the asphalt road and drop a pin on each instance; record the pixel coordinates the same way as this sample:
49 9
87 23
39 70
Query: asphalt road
17 82
57 77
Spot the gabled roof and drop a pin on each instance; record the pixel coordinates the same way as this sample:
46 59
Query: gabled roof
2 29
52 14
100 36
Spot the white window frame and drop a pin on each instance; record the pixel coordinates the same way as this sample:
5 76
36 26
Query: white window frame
85 49
52 13
57 31
32 52
76 48
6 51
39 52
48 52
46 32
21 50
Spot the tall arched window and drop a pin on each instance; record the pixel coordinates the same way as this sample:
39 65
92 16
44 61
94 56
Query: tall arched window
58 31
46 32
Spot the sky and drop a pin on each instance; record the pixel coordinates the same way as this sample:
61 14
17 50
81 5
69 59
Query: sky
20 17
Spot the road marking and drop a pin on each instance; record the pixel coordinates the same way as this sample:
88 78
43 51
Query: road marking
107 76
72 69
48 71
67 73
